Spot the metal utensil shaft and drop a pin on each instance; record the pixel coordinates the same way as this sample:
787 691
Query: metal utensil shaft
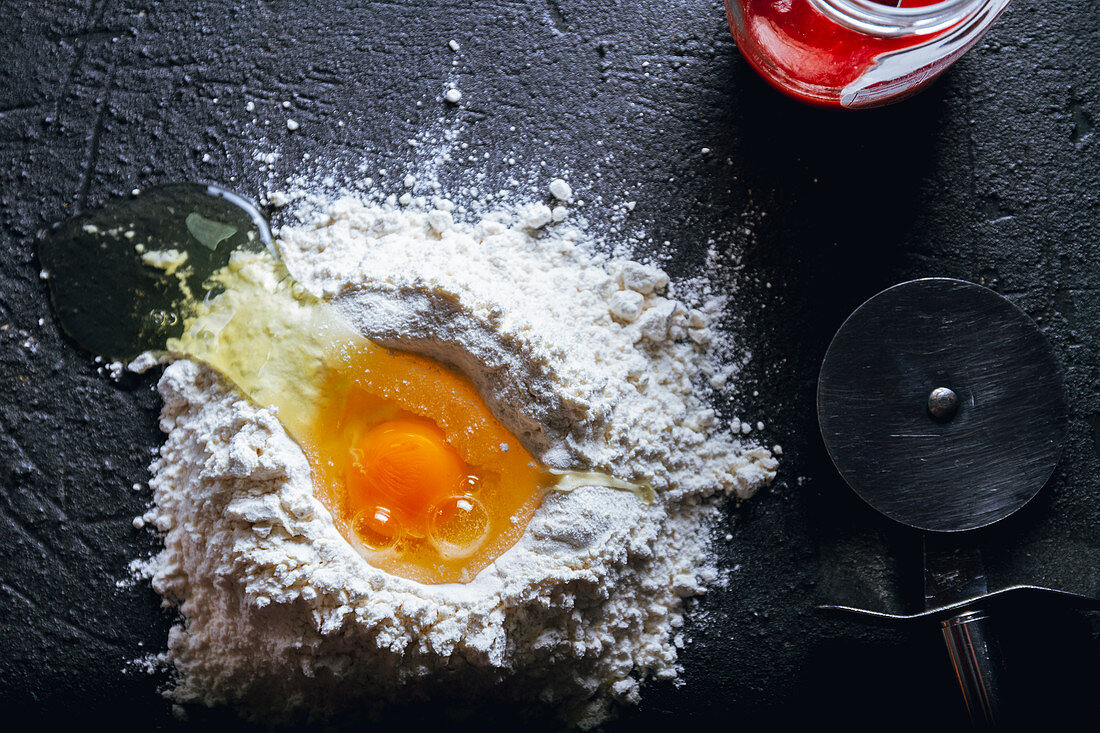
954 571
975 656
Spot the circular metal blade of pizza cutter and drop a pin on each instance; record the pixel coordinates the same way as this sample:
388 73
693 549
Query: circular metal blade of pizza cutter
877 407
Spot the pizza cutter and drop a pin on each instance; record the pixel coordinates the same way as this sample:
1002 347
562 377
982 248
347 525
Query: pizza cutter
942 405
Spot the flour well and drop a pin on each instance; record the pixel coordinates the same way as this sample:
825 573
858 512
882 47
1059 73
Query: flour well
587 359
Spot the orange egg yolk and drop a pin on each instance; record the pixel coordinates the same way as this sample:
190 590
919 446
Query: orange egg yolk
405 467
418 473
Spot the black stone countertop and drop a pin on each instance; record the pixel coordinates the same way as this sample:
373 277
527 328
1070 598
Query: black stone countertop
992 175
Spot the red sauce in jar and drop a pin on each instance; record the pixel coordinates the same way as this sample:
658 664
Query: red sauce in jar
813 57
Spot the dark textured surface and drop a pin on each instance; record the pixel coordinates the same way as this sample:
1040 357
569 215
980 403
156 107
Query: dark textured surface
993 175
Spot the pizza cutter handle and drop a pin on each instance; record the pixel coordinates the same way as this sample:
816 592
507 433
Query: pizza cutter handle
976 659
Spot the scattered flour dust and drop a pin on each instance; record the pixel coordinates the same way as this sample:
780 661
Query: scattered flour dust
587 361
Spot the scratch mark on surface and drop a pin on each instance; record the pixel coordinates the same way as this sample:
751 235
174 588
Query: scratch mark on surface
17 107
18 595
1083 127
557 17
93 147
92 16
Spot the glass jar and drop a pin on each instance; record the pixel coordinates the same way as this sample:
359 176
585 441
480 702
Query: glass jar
856 53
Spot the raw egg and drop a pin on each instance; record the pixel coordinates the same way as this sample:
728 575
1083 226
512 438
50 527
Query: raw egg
417 473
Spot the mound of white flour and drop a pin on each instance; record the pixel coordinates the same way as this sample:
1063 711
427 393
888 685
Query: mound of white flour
589 361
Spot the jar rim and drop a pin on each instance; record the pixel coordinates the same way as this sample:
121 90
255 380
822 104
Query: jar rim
875 18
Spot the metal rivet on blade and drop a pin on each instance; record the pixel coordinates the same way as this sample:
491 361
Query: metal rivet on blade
942 403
